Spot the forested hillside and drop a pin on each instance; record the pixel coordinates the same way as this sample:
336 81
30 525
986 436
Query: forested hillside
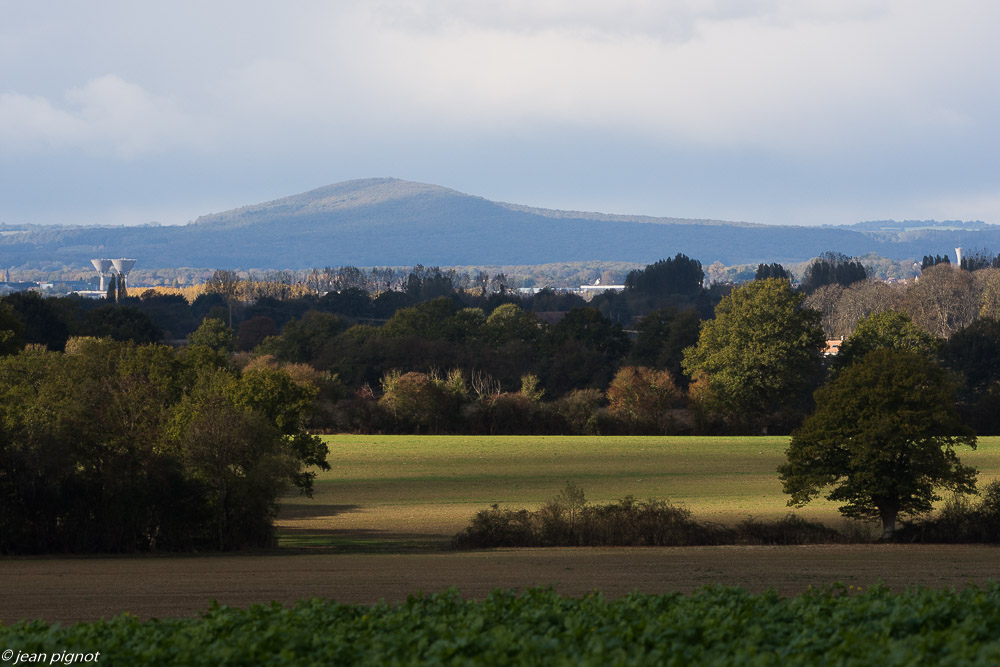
400 223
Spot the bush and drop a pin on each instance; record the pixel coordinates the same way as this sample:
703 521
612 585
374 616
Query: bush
579 408
961 520
568 521
791 530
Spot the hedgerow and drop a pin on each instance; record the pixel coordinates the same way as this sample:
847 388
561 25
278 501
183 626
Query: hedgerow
567 520
714 625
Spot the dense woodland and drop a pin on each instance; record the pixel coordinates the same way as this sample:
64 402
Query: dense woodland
420 355
97 412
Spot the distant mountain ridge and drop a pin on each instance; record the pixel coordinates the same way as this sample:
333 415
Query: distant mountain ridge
391 222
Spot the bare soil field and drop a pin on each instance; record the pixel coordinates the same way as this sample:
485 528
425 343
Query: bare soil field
380 522
68 590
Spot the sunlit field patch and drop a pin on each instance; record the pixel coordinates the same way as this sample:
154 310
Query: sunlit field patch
418 491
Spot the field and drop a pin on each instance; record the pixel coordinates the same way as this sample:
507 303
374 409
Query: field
718 626
415 492
380 520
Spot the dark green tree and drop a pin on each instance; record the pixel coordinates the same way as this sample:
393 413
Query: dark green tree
680 275
302 340
765 271
974 353
10 331
43 322
882 439
121 323
663 335
832 268
583 349
887 329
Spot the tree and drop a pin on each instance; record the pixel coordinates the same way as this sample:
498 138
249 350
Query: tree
885 330
416 402
121 323
832 268
642 398
302 340
974 352
861 300
680 275
883 436
943 301
760 355
663 335
213 334
979 258
508 323
41 318
583 349
112 294
773 270
10 331
252 332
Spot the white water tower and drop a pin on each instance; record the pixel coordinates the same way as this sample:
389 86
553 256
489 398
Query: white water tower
103 267
122 267
958 257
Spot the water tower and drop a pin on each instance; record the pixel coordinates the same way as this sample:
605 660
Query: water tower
122 267
958 257
103 268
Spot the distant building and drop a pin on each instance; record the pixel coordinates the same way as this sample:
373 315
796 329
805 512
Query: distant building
832 347
597 288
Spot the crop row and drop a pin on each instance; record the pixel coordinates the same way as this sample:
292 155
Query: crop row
716 625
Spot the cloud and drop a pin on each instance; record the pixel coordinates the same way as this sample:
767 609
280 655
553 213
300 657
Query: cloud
764 108
104 116
675 21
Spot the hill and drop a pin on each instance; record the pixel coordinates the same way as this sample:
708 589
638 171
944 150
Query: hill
388 221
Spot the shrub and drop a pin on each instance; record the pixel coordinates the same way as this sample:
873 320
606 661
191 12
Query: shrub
960 520
567 520
644 398
579 408
790 530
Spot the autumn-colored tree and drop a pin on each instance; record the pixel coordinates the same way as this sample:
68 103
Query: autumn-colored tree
643 398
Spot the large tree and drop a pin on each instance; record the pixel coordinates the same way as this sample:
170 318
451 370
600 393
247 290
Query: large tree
882 438
761 354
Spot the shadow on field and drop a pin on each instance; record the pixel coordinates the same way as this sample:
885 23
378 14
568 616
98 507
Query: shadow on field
304 511
360 541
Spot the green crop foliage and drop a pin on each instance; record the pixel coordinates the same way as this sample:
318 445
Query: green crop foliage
717 625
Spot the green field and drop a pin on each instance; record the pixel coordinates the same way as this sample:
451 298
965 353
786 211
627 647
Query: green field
713 626
389 492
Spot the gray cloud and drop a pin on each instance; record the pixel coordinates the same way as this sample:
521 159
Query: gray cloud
771 110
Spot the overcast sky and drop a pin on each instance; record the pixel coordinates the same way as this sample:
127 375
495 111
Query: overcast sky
773 111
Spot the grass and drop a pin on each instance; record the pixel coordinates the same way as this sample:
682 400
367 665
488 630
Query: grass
415 492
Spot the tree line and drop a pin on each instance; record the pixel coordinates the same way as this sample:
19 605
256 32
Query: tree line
119 447
111 441
363 350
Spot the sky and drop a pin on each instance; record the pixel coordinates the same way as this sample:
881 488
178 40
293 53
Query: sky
771 111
